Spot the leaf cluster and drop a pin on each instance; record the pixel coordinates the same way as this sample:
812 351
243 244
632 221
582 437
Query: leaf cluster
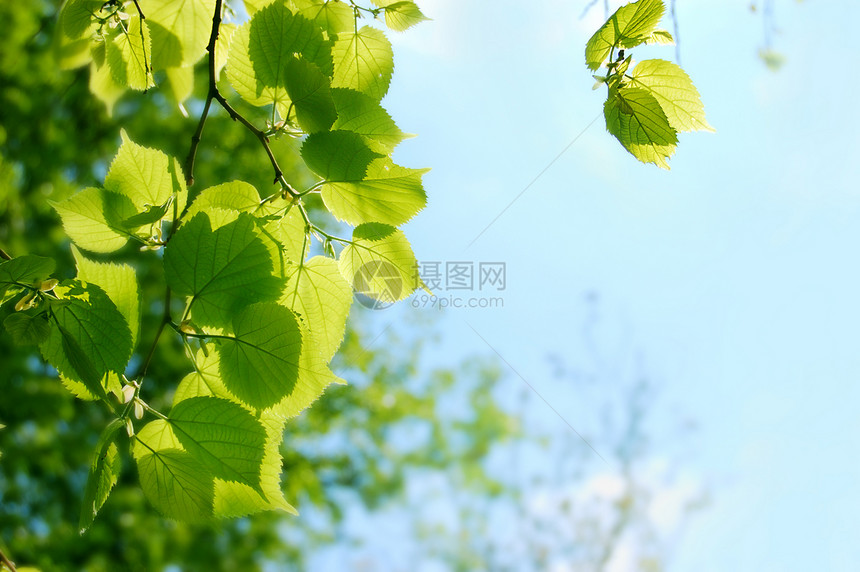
648 105
262 318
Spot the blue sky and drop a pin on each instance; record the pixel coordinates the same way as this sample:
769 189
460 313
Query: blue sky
735 272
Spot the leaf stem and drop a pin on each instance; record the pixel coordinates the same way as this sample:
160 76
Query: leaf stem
8 563
146 65
146 406
4 255
165 319
234 115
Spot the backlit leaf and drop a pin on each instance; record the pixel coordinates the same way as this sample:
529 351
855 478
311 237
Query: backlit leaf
222 436
222 270
636 119
675 92
319 295
260 360
103 475
363 61
629 26
380 264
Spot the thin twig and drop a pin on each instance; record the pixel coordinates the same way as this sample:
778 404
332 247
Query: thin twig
234 115
9 564
143 40
676 30
165 319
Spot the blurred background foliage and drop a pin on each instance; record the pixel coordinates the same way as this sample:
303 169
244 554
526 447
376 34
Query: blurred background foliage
458 486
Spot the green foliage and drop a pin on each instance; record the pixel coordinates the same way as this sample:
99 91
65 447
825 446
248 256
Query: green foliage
261 319
647 107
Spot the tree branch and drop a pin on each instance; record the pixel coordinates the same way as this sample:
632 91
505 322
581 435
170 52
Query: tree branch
234 115
9 564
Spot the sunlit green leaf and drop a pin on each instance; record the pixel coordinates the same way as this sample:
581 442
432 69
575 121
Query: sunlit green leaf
629 26
180 30
334 17
660 37
401 15
103 475
222 270
146 176
119 282
93 219
380 264
636 119
362 114
173 480
235 195
361 185
310 93
675 92
223 436
89 336
260 360
319 295
129 54
363 61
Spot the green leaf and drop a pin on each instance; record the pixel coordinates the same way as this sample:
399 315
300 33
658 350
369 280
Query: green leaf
128 54
102 84
92 337
119 282
222 270
93 219
27 330
628 27
379 263
401 15
180 30
674 91
173 480
223 47
260 361
310 93
259 49
25 270
314 377
76 17
103 475
234 499
660 37
334 17
235 195
224 437
205 381
151 215
360 113
319 295
180 83
362 186
363 61
289 231
146 176
636 119
243 77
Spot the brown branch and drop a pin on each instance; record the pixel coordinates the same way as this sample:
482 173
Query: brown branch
234 115
9 564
